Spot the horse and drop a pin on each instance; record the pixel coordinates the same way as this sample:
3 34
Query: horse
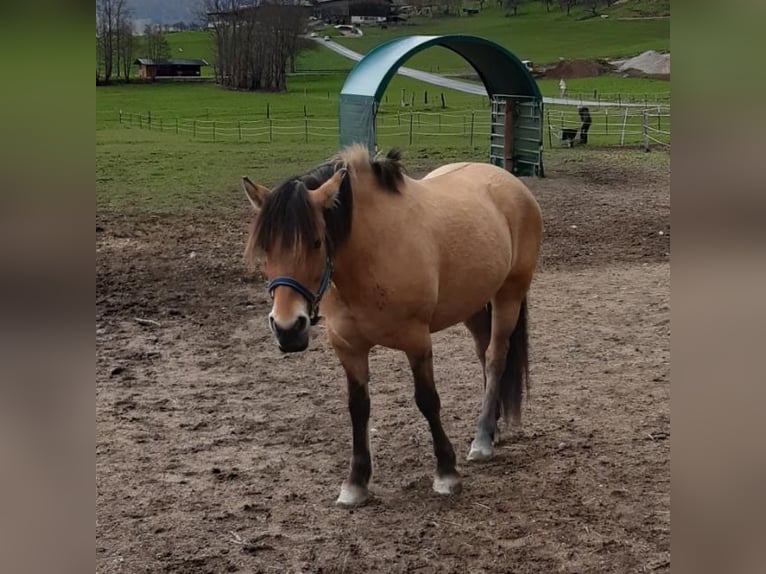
394 259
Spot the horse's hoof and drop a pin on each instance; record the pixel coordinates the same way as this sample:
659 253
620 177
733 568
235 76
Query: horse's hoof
448 484
480 451
352 495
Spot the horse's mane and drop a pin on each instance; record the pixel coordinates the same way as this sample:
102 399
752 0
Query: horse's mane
288 219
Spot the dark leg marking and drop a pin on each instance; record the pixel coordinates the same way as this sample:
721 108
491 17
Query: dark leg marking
359 408
429 404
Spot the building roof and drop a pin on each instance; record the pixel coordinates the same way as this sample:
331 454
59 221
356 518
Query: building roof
172 62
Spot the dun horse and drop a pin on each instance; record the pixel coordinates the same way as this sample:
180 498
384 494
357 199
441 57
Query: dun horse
394 259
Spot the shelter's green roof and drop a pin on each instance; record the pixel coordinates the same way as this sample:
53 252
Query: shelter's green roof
500 70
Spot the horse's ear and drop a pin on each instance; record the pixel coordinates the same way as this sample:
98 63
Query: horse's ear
256 194
326 194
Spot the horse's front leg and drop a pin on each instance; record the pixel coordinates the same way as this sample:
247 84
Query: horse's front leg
447 480
354 489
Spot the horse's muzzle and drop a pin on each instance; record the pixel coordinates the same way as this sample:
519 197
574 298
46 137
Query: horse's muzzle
294 339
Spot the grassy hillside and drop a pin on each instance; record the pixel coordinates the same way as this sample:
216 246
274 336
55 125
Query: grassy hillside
534 34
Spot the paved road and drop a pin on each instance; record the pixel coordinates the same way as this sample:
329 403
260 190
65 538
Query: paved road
459 85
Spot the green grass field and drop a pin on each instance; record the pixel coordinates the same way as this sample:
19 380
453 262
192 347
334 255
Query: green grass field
148 171
534 35
206 101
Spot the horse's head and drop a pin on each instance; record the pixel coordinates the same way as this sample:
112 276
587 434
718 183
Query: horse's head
293 234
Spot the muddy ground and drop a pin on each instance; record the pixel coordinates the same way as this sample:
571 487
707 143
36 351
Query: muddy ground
215 453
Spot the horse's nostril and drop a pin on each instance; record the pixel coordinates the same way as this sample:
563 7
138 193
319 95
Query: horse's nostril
272 323
301 323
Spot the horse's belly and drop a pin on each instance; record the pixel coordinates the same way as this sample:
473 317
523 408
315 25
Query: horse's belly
459 300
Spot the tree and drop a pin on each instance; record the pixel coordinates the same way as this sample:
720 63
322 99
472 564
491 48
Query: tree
547 4
513 5
592 5
255 42
567 5
105 14
127 49
454 7
156 44
113 30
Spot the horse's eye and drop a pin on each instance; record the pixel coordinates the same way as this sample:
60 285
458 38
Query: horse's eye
317 244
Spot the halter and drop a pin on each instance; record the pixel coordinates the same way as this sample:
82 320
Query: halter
312 298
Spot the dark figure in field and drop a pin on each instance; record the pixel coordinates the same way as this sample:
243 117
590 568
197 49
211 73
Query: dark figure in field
586 121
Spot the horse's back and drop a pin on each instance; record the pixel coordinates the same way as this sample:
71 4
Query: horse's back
515 201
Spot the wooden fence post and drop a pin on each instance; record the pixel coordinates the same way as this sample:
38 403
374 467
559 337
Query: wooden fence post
306 128
444 104
550 137
508 151
271 132
410 128
645 118
624 123
473 114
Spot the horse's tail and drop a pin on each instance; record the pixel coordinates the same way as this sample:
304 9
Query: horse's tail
515 378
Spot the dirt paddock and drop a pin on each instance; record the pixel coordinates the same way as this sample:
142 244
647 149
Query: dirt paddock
215 453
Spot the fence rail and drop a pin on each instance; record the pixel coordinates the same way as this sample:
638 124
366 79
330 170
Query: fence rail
647 127
618 99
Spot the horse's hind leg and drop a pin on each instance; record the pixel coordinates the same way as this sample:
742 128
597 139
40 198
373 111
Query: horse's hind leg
506 307
480 327
447 479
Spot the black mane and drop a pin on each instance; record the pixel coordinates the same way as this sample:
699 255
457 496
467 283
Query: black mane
288 219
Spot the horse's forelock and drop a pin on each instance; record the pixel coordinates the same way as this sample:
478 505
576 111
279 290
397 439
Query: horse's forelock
286 221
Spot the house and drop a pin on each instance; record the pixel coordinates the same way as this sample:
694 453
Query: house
246 11
353 11
149 69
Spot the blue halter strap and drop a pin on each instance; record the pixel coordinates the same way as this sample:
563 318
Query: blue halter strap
313 299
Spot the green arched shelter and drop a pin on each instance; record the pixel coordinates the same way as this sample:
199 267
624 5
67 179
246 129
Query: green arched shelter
516 102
